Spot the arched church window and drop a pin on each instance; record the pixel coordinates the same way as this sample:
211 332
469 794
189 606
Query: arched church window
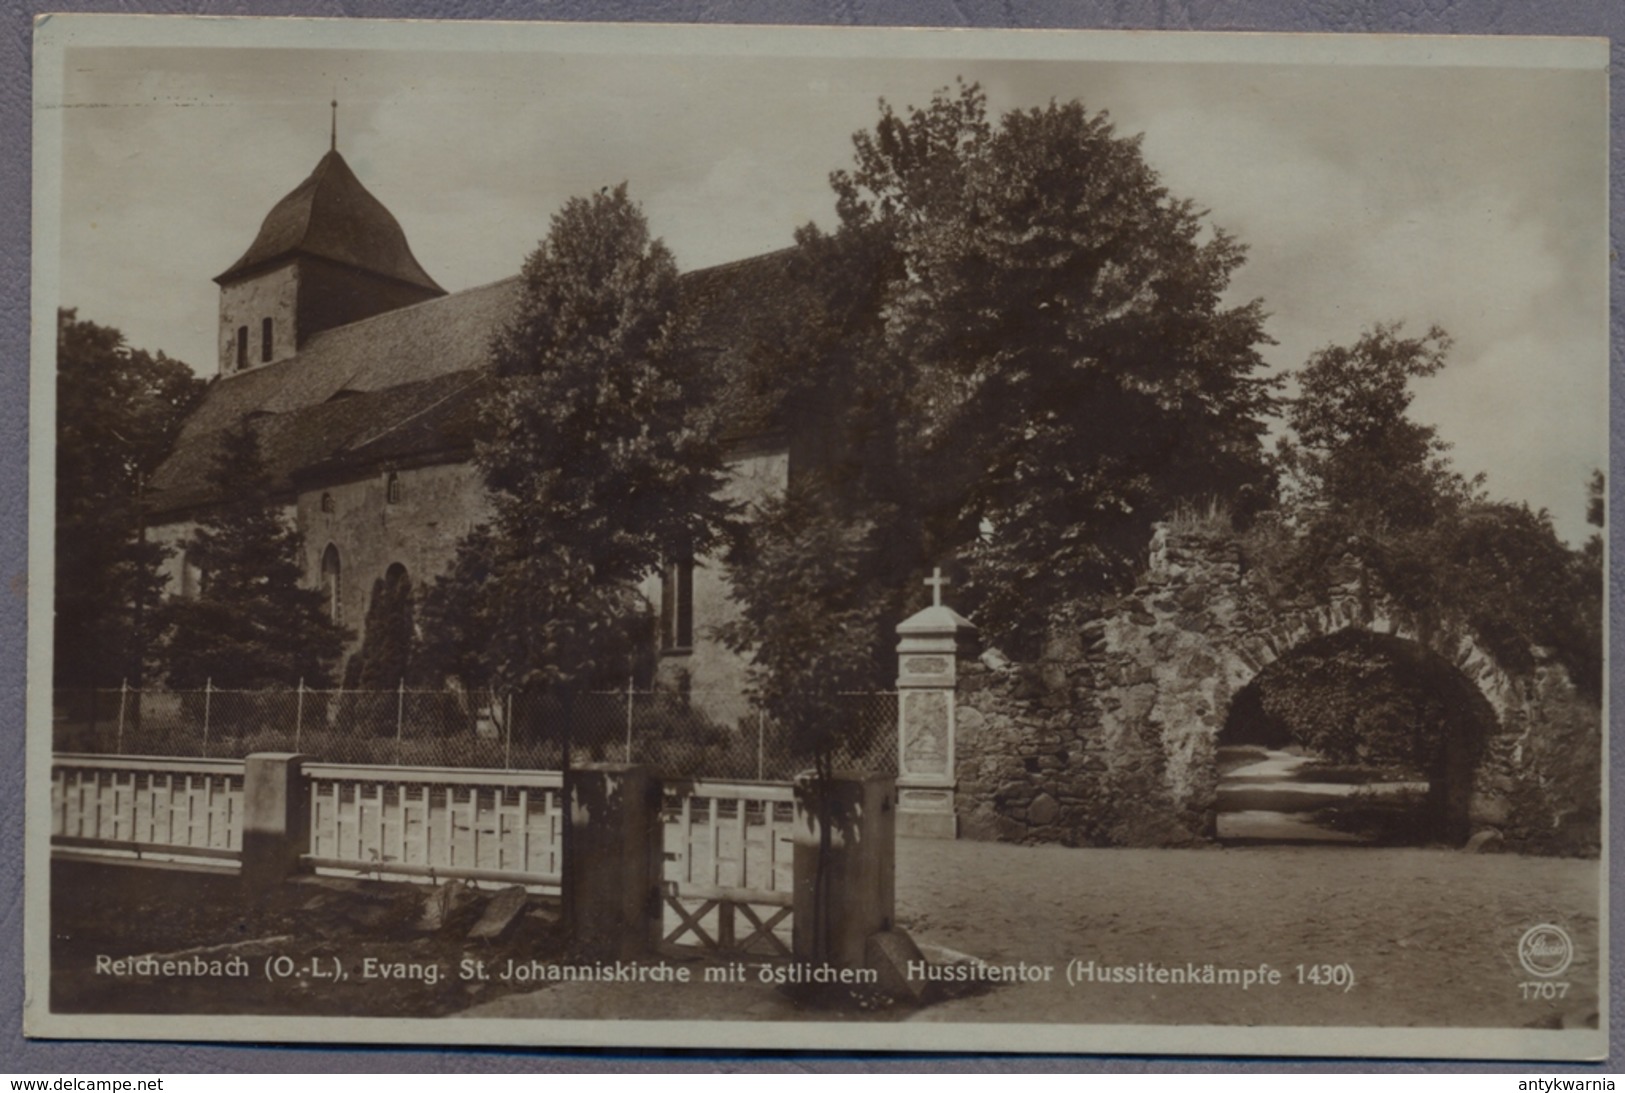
327 502
677 606
331 587
242 347
265 339
392 489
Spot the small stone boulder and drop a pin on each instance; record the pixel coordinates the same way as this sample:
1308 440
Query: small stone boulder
499 914
1485 842
888 954
442 903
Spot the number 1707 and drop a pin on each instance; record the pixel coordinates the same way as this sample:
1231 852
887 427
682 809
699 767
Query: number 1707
1543 989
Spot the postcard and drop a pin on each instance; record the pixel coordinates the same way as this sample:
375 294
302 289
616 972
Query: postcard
862 539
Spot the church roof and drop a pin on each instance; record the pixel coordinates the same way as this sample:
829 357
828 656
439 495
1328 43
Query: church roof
404 384
332 215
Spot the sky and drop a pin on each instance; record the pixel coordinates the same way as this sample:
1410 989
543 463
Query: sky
1469 195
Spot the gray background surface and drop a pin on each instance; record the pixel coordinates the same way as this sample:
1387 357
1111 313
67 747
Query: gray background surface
1601 18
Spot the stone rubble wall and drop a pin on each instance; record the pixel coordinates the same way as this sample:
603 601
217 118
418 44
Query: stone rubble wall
1541 785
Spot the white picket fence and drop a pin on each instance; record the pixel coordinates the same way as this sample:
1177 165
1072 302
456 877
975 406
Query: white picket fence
167 809
728 870
437 822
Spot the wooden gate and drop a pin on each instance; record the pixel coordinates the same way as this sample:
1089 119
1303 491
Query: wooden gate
729 869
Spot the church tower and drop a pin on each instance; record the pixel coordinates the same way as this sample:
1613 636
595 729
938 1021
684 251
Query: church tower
327 254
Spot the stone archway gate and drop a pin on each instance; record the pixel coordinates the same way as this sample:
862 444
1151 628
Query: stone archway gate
1110 738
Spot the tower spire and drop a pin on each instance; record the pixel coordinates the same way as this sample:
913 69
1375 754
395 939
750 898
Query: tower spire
333 137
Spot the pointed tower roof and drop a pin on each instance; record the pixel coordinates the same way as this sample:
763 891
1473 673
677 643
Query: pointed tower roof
331 215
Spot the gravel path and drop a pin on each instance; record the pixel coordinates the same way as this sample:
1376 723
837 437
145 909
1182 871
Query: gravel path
1431 937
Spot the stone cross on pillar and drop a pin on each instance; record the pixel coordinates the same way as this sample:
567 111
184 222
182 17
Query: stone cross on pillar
926 674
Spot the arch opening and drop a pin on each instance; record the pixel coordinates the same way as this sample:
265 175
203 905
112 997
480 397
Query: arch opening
1356 737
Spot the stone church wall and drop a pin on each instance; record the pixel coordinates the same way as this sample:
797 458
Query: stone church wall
177 580
274 295
714 675
437 506
440 503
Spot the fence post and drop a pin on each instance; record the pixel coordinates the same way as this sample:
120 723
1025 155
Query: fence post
123 694
507 731
761 754
615 860
208 694
276 819
400 716
628 718
299 714
853 894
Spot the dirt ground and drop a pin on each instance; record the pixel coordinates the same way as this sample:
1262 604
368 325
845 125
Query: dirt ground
1431 935
304 949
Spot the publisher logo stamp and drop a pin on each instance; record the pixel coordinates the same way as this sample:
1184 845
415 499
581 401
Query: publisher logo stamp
1545 950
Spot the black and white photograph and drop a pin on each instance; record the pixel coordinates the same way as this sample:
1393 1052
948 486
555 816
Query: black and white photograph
724 537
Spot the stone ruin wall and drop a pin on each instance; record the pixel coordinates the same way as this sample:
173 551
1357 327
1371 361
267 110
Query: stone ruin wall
1110 739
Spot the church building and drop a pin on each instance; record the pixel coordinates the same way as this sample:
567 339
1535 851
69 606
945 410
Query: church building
362 376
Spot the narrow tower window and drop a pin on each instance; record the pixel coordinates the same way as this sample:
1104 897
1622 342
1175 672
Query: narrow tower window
330 583
242 347
392 489
327 502
265 338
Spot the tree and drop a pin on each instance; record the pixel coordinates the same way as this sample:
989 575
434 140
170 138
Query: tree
118 413
461 637
1054 327
1367 483
601 456
252 625
825 355
1371 494
388 636
387 658
1518 586
600 453
1357 465
806 616
1589 580
808 619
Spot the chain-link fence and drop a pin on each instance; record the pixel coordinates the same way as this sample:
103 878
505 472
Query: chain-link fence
699 734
